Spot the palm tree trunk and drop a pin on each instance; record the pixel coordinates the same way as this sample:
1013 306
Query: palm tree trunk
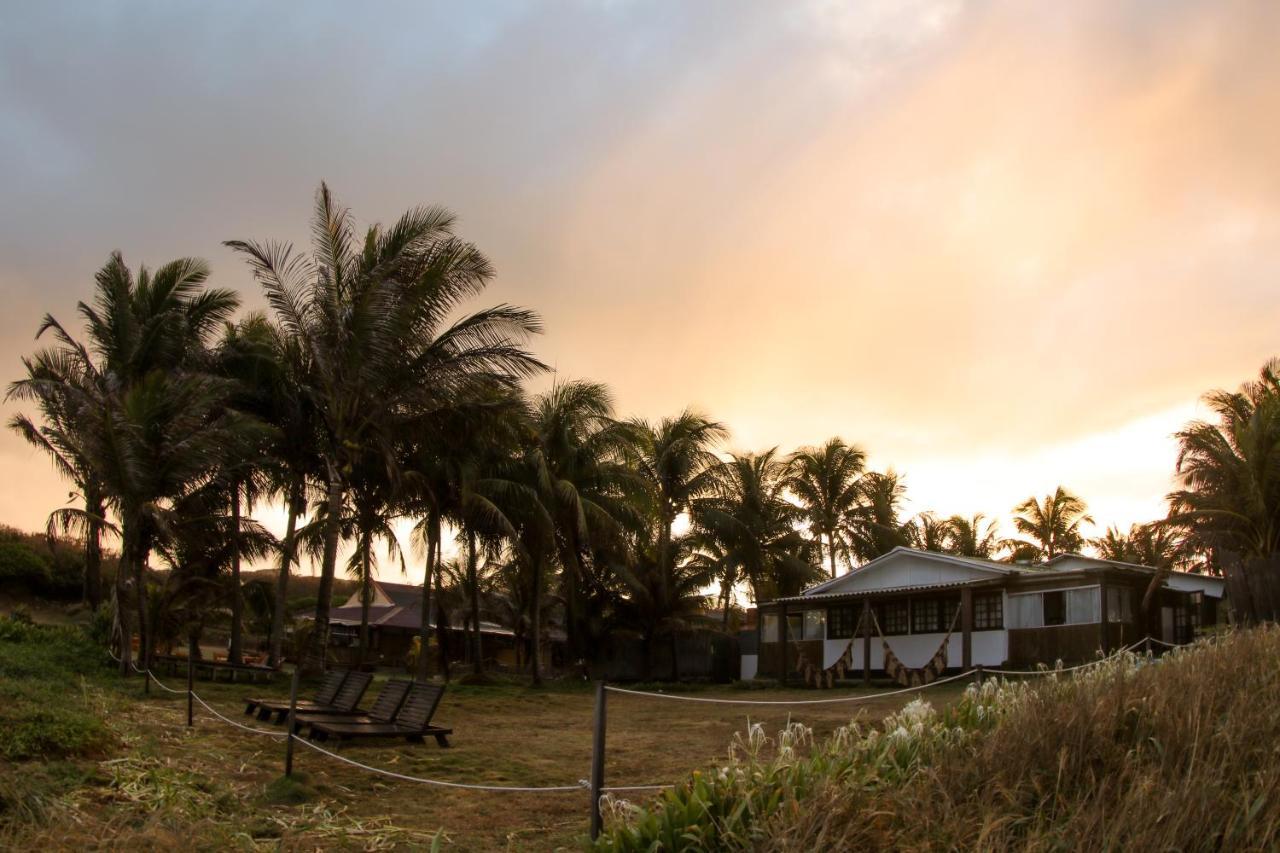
288 549
726 595
442 622
124 577
235 653
314 659
93 505
424 628
831 550
477 661
535 624
145 639
366 597
572 576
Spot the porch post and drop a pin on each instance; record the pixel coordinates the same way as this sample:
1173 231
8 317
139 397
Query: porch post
866 642
966 629
1102 616
782 638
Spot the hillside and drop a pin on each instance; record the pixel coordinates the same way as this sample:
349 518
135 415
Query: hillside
1135 754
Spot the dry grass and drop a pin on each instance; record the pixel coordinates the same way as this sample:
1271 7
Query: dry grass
213 787
1179 754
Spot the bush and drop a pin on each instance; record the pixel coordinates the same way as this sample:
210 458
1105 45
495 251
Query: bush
1133 754
20 565
40 717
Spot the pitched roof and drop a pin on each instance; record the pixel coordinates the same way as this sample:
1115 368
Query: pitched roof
969 562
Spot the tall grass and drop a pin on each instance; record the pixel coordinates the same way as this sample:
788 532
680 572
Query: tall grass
1180 753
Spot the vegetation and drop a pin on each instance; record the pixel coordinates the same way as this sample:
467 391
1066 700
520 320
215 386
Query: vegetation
1129 755
371 393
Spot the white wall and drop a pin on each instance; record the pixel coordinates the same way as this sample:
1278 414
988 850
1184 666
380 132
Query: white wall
907 569
1212 587
990 648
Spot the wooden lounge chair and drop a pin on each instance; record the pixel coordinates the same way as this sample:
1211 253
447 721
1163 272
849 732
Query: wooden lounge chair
383 709
345 702
325 694
412 722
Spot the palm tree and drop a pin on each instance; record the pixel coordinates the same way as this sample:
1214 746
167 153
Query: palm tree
1229 471
927 532
1051 525
972 537
752 528
577 463
825 481
372 317
876 527
156 424
56 379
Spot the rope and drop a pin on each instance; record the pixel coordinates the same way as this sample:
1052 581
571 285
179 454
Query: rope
228 720
510 789
864 698
1056 670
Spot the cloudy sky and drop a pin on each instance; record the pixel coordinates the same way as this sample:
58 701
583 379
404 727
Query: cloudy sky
1002 246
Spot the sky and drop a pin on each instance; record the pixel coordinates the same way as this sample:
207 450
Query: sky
1002 246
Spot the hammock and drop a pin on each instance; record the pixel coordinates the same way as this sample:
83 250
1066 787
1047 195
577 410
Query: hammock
907 676
812 674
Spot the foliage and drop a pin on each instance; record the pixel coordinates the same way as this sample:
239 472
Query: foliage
1132 754
38 719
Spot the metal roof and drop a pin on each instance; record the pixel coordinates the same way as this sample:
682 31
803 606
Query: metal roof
865 593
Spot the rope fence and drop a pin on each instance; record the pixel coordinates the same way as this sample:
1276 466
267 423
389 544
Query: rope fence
595 785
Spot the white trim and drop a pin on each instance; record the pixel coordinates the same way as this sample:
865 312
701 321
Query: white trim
949 559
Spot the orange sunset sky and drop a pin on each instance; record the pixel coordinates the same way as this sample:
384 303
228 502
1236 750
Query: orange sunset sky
1001 245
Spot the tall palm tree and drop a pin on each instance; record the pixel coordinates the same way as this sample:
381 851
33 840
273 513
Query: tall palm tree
825 481
157 424
676 459
974 536
56 379
1051 525
876 528
753 527
1229 471
577 462
373 317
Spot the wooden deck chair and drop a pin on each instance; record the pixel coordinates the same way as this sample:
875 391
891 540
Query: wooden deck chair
345 702
412 722
325 694
383 709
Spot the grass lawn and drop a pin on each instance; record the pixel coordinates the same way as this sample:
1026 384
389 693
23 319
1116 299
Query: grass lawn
159 784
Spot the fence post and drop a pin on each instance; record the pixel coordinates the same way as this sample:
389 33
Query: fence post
597 760
293 710
191 691
977 675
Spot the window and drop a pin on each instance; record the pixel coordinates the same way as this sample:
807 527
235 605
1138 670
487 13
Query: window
893 617
815 625
1196 603
1182 632
988 612
1055 607
842 623
1084 606
795 627
925 615
769 628
1119 604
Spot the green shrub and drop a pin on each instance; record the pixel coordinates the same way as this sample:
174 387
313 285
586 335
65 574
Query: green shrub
40 717
21 565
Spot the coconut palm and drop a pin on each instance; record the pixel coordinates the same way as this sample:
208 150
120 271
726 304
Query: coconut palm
974 536
1051 525
927 532
156 424
753 528
372 316
1229 471
825 481
57 378
876 527
577 462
